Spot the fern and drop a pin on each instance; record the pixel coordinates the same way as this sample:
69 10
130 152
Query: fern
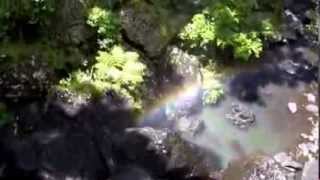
117 70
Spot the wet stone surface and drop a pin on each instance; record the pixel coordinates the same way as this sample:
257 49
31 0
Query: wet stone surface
241 116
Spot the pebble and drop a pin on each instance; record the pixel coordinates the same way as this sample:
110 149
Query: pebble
312 108
311 98
292 107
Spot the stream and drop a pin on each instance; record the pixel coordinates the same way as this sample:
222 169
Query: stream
267 94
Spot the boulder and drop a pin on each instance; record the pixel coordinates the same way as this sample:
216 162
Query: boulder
56 154
70 18
152 25
164 153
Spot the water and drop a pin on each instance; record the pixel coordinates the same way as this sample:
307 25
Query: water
275 130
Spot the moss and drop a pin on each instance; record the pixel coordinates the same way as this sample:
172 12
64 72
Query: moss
17 52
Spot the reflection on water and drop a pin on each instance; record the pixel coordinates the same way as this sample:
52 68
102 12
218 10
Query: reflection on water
276 129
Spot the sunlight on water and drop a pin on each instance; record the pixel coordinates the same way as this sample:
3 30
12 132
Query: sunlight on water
275 129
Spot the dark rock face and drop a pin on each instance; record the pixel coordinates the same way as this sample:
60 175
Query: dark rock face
164 154
27 80
55 155
70 22
96 143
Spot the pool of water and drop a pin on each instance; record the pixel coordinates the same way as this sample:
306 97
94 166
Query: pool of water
276 128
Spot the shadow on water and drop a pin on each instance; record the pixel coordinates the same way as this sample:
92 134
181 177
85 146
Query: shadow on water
245 86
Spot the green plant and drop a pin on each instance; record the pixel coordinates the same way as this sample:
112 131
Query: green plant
25 11
239 24
5 116
118 70
107 25
212 87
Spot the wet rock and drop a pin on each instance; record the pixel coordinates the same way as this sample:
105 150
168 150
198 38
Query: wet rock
311 170
187 66
292 107
266 169
241 116
162 152
312 108
292 165
311 97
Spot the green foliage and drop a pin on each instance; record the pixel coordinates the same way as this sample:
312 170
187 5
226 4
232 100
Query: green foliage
56 58
5 116
13 12
117 71
239 24
107 25
212 87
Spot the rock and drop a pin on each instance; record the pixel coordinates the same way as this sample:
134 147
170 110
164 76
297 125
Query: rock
311 170
29 79
292 107
312 108
267 169
241 116
70 27
153 25
282 157
127 173
292 165
311 98
162 152
56 154
187 66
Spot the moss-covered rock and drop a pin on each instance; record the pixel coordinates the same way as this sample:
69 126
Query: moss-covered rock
152 25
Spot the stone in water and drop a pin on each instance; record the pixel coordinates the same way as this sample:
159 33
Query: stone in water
292 107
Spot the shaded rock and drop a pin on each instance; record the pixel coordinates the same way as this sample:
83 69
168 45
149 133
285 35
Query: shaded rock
292 107
130 172
162 152
29 79
55 155
70 22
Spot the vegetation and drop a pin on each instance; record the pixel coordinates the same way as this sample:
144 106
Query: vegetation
14 13
239 24
118 70
107 25
212 87
5 116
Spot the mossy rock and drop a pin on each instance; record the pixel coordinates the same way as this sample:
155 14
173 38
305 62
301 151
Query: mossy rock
152 25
